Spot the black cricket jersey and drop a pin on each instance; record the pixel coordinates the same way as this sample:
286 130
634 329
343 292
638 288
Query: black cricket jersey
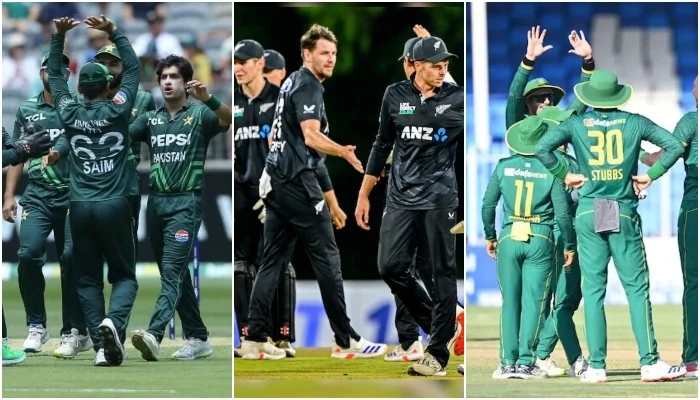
424 134
252 122
300 99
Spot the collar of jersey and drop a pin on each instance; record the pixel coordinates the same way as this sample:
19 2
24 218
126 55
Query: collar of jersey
307 71
267 87
412 78
185 107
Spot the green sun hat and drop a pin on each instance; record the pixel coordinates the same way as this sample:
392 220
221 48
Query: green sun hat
541 83
522 137
603 91
555 114
110 49
92 73
45 59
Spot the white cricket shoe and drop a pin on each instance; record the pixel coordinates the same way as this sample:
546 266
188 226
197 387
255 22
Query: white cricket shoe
111 344
194 349
594 375
100 360
38 335
260 351
147 344
549 367
578 368
660 371
287 347
427 366
413 353
358 349
72 344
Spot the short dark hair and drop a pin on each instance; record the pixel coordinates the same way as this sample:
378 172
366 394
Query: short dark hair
91 90
183 66
314 34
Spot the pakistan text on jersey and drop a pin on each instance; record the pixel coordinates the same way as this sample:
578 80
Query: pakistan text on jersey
93 126
171 156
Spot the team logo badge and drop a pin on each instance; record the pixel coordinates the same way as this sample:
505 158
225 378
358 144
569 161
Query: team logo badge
182 236
588 122
120 98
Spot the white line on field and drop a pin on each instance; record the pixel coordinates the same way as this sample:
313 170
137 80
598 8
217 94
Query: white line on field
92 390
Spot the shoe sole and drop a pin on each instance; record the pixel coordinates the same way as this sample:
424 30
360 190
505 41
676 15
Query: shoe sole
139 342
114 353
263 356
199 356
664 378
62 356
459 344
419 370
411 358
349 356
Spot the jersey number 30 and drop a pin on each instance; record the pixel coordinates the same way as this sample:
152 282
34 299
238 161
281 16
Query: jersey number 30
528 188
607 148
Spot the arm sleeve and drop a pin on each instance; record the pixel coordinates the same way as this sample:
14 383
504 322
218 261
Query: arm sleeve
548 144
562 214
384 141
138 129
57 83
308 103
673 148
515 108
489 204
324 180
210 123
686 130
130 80
62 146
9 157
586 70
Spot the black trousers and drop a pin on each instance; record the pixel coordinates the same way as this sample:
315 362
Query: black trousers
401 232
406 325
297 210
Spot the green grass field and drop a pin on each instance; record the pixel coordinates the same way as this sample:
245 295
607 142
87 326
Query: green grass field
623 360
314 374
42 375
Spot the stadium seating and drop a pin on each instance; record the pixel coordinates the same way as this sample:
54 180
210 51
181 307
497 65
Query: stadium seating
651 46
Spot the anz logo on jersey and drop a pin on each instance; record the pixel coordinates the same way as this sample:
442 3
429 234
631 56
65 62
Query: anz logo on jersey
438 135
252 132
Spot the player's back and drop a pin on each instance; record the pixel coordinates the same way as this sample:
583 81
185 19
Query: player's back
526 187
99 139
606 144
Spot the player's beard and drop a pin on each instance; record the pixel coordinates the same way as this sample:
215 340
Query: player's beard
47 88
116 82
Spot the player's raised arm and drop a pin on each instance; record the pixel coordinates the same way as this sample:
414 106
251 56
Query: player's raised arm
582 48
219 116
57 82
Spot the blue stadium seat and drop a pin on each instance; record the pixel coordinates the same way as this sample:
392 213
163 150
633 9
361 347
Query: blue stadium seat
498 23
580 10
685 12
657 21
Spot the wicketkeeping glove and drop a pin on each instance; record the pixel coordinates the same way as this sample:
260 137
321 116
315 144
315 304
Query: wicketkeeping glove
35 143
260 206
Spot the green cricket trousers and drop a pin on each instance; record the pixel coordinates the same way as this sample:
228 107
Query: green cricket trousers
688 248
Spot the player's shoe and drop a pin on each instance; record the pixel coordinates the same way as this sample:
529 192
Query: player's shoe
413 353
548 366
660 371
461 368
147 344
691 368
358 349
72 344
578 368
11 356
237 352
38 335
427 366
459 344
100 360
594 375
504 372
287 347
112 345
261 351
194 349
529 372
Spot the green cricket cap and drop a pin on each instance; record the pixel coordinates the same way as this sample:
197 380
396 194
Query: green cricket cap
93 72
111 50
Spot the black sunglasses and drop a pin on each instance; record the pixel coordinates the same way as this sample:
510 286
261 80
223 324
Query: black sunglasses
540 98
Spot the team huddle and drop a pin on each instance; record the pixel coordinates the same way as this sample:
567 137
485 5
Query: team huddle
564 217
281 141
86 189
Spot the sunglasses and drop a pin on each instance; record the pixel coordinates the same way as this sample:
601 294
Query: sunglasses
540 98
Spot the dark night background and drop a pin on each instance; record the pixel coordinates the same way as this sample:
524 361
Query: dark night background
371 39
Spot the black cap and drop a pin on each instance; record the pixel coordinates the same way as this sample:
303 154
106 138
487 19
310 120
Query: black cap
273 60
408 48
431 49
247 49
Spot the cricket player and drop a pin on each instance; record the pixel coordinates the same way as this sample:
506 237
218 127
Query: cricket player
101 177
687 132
178 135
424 119
34 144
530 97
606 142
274 70
533 202
293 193
254 109
45 205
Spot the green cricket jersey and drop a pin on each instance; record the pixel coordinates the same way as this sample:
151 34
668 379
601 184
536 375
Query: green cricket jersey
687 132
515 107
37 111
606 144
178 146
530 194
9 156
98 131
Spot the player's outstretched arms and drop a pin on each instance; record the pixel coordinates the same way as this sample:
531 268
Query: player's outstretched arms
313 138
562 215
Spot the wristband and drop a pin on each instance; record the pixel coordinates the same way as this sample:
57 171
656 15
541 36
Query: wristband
642 153
588 65
656 171
213 103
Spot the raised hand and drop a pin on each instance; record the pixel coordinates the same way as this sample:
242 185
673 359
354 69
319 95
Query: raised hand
101 23
198 90
420 31
580 45
65 24
535 43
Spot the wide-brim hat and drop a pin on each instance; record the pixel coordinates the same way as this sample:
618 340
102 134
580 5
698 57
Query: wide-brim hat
522 137
555 114
603 91
541 83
